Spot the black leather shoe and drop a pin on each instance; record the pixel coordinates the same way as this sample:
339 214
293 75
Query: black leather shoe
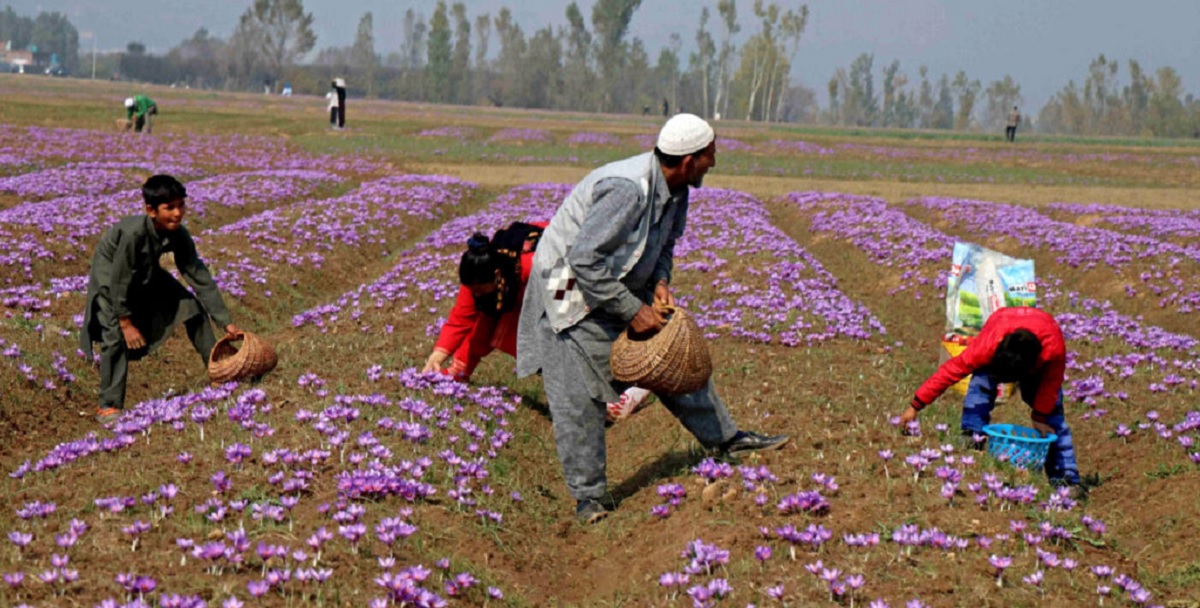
749 441
589 511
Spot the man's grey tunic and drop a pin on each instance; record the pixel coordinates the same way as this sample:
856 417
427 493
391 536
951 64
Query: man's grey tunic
597 231
127 280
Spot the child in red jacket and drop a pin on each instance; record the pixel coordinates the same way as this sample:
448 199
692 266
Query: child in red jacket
1017 344
493 274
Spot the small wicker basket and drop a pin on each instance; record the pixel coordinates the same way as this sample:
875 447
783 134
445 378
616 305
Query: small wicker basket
228 364
674 361
124 124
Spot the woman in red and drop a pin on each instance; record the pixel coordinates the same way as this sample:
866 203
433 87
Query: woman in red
493 274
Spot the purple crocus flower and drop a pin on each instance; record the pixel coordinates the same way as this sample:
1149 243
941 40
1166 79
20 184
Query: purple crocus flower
258 588
1034 579
20 539
856 581
762 553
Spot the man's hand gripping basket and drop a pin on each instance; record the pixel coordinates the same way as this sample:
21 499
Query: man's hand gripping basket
674 361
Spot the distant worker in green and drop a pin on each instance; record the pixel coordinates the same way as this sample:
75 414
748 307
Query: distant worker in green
138 110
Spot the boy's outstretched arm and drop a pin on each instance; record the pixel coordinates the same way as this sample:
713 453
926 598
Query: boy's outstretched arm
193 269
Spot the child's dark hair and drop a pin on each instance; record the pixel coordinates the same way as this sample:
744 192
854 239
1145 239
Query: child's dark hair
485 259
1017 355
161 189
479 263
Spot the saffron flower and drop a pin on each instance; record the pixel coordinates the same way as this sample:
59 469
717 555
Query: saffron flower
1000 564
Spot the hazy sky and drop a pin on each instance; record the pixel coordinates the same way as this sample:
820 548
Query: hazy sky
1041 43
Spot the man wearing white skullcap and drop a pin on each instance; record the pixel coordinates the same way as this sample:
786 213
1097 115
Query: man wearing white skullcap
603 265
138 110
337 114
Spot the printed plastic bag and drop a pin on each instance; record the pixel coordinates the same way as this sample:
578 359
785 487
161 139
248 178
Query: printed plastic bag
982 281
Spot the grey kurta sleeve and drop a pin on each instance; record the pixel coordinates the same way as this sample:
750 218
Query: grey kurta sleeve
193 269
119 273
614 214
666 260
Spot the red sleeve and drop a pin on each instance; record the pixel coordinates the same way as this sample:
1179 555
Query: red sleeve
478 346
460 323
1048 387
978 354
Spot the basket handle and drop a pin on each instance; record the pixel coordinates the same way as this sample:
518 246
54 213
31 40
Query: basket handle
241 335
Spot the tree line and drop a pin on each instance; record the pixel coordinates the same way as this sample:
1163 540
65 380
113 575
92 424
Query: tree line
591 63
52 34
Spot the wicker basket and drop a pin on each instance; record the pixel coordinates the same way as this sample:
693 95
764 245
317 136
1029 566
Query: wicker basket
124 124
674 361
254 358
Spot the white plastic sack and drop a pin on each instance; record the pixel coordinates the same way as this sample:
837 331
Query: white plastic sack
981 282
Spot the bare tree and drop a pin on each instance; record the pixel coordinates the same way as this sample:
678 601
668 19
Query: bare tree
792 28
413 45
702 61
967 92
579 86
610 22
763 55
283 31
362 54
728 11
1000 96
460 65
483 35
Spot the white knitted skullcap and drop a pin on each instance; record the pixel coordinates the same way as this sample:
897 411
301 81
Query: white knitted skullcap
129 102
685 134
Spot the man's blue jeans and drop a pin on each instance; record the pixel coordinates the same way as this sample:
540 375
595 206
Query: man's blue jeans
977 412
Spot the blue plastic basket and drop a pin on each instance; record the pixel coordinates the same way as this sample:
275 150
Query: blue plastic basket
1020 446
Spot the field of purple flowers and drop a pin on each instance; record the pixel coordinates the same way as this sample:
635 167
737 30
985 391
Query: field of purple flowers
346 478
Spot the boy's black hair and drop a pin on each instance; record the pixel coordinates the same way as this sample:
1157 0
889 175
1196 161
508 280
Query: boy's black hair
1016 356
161 189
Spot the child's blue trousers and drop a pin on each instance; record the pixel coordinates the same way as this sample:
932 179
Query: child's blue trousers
977 412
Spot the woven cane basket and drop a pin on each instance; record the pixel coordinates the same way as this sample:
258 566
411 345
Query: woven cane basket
674 361
254 358
124 124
